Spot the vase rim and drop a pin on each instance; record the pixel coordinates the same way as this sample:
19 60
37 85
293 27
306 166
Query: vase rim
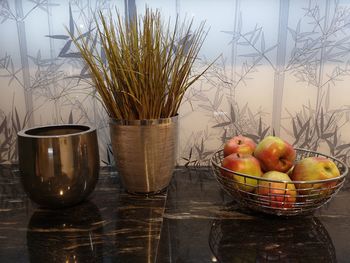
145 121
47 131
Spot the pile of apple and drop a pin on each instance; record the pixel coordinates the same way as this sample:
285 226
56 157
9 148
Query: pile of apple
274 158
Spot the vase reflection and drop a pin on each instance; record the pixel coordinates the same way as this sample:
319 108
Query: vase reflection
303 239
66 235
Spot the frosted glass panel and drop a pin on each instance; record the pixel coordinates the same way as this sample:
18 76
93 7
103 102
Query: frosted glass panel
282 68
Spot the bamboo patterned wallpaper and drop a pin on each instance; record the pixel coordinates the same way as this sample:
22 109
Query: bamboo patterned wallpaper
283 69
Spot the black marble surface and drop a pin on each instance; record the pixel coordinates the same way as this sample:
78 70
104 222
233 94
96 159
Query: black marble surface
112 226
195 221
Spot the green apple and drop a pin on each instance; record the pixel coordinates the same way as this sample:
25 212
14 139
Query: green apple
275 154
314 169
239 144
281 194
244 164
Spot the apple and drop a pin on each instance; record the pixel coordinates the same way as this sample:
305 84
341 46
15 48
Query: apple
281 194
244 164
239 144
313 169
275 154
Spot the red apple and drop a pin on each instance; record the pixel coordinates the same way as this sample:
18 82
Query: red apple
281 194
313 169
244 164
239 144
275 154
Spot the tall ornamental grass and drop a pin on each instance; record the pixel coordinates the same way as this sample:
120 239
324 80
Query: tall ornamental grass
145 66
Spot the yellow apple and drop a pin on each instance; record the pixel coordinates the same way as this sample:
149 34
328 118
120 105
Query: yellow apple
281 194
244 164
314 169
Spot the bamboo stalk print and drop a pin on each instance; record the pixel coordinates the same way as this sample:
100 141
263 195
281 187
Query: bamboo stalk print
148 70
21 31
236 25
280 67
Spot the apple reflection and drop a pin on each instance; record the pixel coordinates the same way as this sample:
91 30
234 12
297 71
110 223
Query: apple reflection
271 240
66 235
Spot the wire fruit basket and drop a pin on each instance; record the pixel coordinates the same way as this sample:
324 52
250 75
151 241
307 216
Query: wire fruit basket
303 197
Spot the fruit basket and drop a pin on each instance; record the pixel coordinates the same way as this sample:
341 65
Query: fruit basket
307 195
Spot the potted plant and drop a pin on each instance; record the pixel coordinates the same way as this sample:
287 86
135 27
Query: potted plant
141 76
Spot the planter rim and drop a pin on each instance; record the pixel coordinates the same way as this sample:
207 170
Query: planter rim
81 129
144 122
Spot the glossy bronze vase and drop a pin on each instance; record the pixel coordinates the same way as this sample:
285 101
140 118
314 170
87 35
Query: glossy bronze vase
59 164
145 153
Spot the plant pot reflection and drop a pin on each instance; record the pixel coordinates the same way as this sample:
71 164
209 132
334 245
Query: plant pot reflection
66 235
270 240
142 233
59 164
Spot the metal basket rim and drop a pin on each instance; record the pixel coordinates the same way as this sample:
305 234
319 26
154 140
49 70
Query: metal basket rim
346 170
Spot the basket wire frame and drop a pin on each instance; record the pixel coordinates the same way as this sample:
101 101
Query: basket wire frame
282 198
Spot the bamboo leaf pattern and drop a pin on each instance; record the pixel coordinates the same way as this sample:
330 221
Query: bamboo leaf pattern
65 48
64 37
71 20
70 118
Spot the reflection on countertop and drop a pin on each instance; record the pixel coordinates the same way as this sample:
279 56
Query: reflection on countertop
203 224
300 240
195 221
111 226
72 235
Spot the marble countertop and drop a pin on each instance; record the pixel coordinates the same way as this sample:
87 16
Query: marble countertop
194 221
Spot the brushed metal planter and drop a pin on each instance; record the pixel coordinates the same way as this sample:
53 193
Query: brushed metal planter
59 165
145 153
